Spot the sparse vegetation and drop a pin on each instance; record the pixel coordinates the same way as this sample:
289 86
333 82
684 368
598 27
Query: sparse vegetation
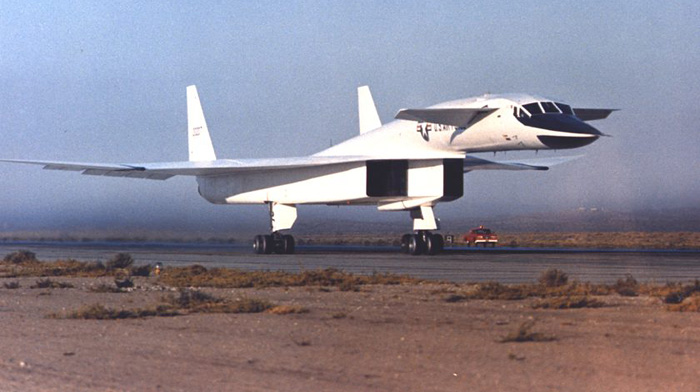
11 285
143 270
455 298
25 263
105 288
195 301
50 284
690 304
494 290
185 302
553 277
524 334
123 282
628 287
605 240
20 257
288 309
198 276
100 312
120 261
568 302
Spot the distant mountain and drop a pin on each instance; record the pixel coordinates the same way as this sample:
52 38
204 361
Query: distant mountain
582 219
593 219
579 220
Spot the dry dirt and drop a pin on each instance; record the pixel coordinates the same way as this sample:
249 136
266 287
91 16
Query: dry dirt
383 338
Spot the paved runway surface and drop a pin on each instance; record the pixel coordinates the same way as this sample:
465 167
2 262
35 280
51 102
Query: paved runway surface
458 265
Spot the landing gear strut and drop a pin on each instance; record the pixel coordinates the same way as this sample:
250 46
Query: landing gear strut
422 242
282 217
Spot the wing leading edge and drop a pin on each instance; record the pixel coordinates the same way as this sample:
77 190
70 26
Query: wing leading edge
165 170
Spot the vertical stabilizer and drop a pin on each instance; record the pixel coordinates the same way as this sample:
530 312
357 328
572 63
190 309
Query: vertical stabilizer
200 146
369 118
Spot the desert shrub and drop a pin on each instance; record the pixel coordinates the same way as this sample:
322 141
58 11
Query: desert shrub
188 299
50 284
628 287
100 312
198 276
495 290
553 277
72 268
348 285
123 282
575 302
186 302
689 304
59 268
20 257
675 297
677 293
288 309
105 288
11 285
249 305
143 270
195 301
455 298
524 334
120 261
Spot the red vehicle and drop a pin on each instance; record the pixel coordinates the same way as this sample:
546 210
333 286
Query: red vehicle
481 236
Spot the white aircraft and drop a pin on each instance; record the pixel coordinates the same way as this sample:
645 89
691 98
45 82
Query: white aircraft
409 164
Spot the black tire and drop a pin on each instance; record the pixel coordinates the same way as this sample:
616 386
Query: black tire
288 244
415 245
259 244
405 239
269 244
428 244
437 244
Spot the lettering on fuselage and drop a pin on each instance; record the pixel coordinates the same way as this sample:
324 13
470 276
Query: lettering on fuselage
425 128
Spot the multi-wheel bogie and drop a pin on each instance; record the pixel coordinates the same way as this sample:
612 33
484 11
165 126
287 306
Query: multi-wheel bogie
422 243
274 243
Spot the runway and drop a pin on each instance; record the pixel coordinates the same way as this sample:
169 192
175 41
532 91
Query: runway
505 265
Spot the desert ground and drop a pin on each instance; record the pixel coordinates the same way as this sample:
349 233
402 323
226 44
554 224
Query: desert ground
335 332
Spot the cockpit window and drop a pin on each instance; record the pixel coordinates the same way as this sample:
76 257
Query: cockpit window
549 107
533 108
566 109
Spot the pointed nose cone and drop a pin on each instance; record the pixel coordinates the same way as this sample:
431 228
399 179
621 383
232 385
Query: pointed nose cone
564 142
564 123
572 132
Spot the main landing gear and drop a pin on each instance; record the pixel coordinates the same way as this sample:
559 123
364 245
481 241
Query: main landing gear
274 243
422 242
282 217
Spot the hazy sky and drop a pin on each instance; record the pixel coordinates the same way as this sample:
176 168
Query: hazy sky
101 82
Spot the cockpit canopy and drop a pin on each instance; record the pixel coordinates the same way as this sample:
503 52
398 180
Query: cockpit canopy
537 108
